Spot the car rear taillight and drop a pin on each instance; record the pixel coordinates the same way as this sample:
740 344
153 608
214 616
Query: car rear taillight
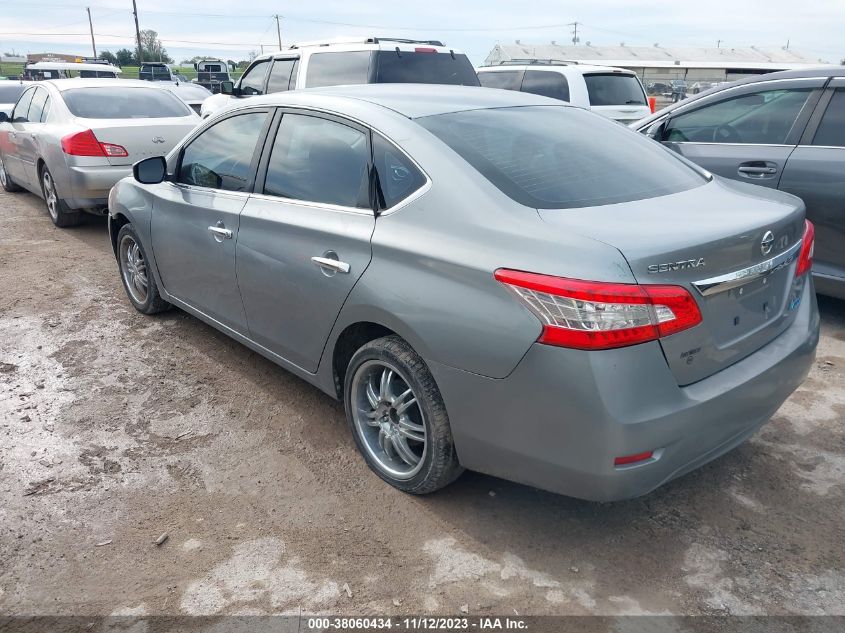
598 315
808 245
86 144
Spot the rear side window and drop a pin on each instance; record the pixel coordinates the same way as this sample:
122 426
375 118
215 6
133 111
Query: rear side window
114 102
425 67
756 118
546 84
831 130
36 108
505 79
338 69
22 107
610 89
318 160
551 157
10 91
280 75
221 157
398 177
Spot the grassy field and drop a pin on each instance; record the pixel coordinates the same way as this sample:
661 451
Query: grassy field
129 72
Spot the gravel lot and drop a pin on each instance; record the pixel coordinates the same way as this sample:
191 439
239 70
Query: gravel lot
116 428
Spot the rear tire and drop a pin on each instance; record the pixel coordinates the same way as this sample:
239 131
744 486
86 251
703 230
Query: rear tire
138 280
398 418
61 214
6 180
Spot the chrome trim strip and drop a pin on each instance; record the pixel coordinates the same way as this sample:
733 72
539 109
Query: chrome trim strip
722 283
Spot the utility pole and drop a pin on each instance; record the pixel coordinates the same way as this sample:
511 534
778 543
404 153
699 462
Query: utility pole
718 43
138 34
278 31
575 39
91 25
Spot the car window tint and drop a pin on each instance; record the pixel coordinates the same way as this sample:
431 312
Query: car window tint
614 89
425 67
252 83
337 69
398 176
505 79
317 160
279 80
112 102
764 117
221 157
36 108
552 157
45 112
546 84
831 130
22 107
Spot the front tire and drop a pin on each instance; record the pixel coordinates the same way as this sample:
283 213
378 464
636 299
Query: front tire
138 280
6 181
61 214
398 418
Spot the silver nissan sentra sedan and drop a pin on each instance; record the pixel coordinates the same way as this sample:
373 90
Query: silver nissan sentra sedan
70 140
487 279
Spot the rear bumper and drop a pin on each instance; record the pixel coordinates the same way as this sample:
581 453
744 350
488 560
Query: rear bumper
562 416
90 185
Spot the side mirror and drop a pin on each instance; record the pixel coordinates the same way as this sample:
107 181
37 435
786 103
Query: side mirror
4 117
150 171
227 87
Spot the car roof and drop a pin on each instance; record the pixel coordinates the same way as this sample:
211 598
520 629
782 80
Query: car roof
92 82
819 71
575 68
359 43
409 100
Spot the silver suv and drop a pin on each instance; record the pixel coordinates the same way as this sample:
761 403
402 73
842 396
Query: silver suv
371 60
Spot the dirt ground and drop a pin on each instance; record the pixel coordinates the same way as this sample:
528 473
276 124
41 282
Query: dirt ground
116 428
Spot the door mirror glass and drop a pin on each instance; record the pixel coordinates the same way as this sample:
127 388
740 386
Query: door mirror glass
150 171
655 130
3 117
227 87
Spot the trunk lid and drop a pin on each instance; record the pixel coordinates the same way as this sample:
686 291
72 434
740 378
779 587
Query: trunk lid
710 240
142 138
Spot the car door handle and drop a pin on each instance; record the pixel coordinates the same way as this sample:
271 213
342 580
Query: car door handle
331 264
757 169
219 231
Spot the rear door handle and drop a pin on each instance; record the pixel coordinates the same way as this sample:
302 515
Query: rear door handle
757 169
331 264
219 231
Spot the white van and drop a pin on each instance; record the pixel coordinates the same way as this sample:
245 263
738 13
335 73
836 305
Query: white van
613 92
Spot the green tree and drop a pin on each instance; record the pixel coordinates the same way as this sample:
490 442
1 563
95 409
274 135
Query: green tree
125 57
152 49
109 57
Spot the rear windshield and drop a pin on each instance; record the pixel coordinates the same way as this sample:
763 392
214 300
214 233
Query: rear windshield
9 92
614 89
425 68
550 157
123 103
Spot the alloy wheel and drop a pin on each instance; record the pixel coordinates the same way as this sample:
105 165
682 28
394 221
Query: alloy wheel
133 267
388 419
3 180
50 195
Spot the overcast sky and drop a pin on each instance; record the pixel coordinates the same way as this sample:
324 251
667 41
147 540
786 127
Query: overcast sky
232 29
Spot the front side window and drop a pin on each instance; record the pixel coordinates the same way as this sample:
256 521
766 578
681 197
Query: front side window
546 84
505 79
36 108
338 69
318 160
831 130
222 156
398 177
112 102
551 157
613 89
252 83
280 75
764 117
22 107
